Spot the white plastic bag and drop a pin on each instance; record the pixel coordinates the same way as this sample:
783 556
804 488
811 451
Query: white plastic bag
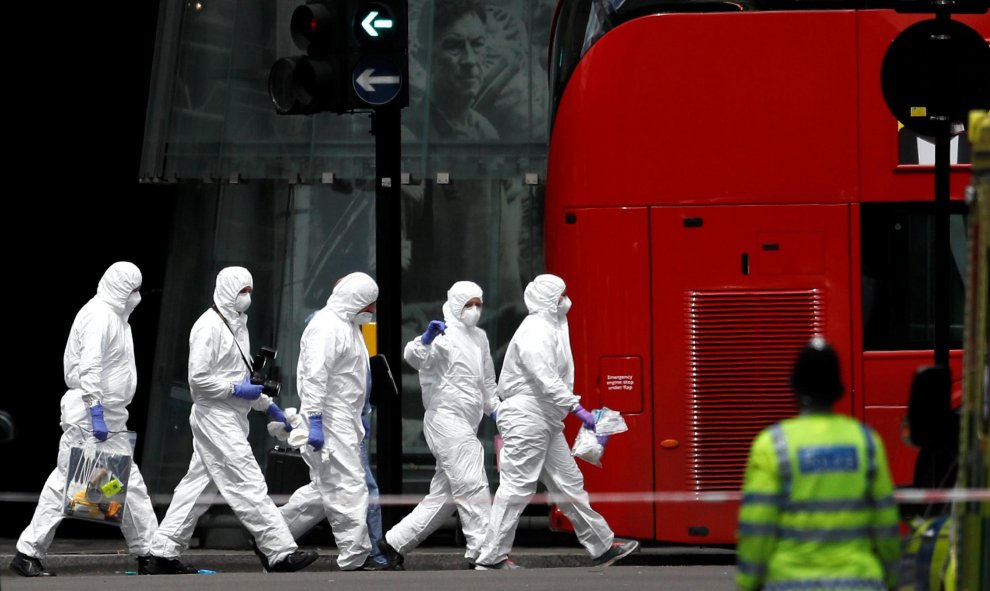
96 484
587 448
608 421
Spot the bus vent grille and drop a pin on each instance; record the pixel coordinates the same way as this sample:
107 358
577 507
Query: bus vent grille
741 348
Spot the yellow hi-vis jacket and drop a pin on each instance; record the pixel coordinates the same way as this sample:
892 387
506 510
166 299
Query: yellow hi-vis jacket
817 511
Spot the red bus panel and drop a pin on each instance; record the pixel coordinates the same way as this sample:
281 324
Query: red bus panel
768 120
719 169
609 283
620 381
737 290
887 379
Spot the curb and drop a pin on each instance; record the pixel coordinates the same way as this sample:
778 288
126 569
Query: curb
422 559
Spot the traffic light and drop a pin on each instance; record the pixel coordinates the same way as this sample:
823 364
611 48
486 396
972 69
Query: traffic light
378 58
312 83
356 58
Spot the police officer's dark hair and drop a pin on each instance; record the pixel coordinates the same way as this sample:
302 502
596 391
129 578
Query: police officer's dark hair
817 379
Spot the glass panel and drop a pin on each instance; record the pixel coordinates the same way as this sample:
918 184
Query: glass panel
913 148
489 232
898 307
210 117
215 226
478 116
478 70
331 232
202 81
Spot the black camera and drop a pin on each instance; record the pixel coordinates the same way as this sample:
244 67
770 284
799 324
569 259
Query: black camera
266 374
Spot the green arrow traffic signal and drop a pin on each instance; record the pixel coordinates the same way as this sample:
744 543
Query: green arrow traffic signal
372 23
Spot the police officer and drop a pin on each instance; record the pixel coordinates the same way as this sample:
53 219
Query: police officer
817 509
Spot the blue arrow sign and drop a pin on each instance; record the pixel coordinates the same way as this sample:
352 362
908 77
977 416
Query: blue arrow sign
376 80
367 80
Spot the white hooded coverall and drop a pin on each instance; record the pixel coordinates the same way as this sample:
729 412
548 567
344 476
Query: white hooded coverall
332 377
222 458
99 369
457 377
536 386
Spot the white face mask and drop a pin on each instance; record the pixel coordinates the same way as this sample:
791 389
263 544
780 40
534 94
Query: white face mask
471 316
363 317
563 307
132 301
242 302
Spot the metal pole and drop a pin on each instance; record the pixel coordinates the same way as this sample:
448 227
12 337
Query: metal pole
942 269
386 127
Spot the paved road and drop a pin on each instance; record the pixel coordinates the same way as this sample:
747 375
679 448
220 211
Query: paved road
617 578
73 557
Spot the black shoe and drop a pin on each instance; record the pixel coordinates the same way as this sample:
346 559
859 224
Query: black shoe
260 555
298 560
619 550
395 560
28 566
156 565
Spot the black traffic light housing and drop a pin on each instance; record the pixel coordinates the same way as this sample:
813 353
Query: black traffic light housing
356 58
378 58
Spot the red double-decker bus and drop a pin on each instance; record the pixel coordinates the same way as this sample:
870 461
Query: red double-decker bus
725 181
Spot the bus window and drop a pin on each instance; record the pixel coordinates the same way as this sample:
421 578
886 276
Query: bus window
897 251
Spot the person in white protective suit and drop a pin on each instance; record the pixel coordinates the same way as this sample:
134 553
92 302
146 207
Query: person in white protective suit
222 459
307 508
101 377
458 380
536 387
332 377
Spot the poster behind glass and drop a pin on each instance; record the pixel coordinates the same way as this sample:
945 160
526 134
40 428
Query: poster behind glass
478 111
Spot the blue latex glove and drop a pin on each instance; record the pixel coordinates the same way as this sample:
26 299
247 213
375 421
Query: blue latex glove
434 329
315 432
494 416
247 390
586 417
276 413
366 423
602 440
100 430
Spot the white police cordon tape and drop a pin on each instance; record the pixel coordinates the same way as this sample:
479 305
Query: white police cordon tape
901 496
